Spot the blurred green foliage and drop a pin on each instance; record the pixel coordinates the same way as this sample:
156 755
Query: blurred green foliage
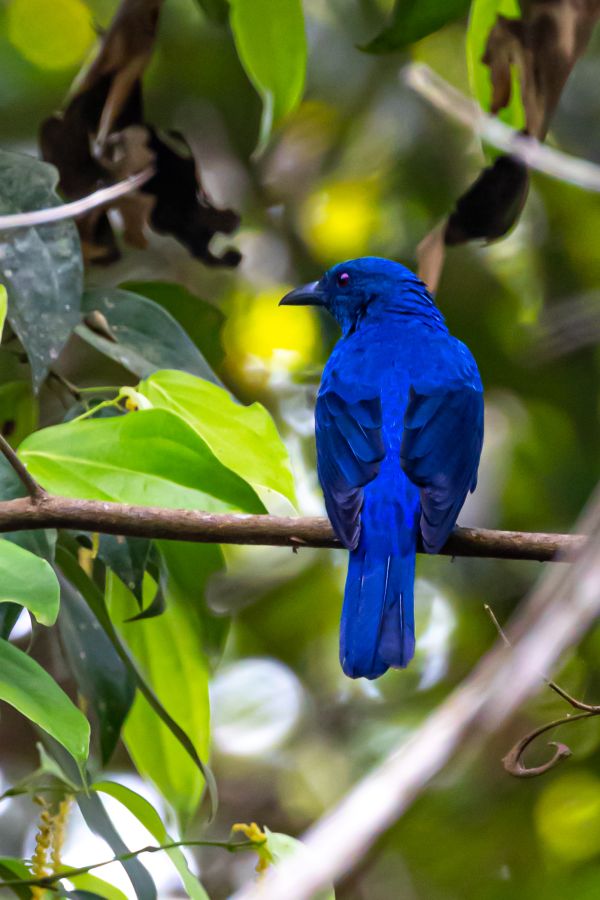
361 166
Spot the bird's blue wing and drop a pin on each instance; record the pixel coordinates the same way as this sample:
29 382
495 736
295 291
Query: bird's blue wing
349 451
441 446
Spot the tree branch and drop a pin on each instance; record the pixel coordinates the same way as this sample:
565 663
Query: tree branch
77 208
276 531
36 491
564 604
555 163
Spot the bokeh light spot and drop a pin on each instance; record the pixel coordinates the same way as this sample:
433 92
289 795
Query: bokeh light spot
51 35
567 816
261 339
339 220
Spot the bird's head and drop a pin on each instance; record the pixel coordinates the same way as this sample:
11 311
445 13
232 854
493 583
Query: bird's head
352 289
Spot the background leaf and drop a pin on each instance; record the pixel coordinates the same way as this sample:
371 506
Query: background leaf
29 688
41 267
271 44
413 20
169 652
145 337
243 438
150 457
29 581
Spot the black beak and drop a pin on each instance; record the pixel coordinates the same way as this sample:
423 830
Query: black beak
307 295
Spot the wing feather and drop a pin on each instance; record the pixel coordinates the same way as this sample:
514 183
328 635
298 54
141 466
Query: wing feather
349 451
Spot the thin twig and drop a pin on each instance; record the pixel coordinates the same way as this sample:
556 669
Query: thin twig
68 874
35 491
560 609
562 166
276 531
77 208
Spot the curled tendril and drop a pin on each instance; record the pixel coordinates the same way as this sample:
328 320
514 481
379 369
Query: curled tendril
513 761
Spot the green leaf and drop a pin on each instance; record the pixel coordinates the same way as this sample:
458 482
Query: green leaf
41 267
101 676
202 321
10 869
413 20
151 457
98 886
150 819
141 335
29 688
169 652
29 581
3 308
271 44
243 438
481 21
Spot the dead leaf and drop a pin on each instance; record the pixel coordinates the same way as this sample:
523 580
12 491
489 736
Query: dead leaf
101 137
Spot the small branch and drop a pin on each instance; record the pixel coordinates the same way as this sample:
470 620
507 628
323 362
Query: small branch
35 491
49 880
75 209
453 103
234 528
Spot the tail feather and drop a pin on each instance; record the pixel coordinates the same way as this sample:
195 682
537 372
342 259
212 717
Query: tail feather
377 628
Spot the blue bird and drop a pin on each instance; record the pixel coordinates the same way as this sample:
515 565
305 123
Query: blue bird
399 431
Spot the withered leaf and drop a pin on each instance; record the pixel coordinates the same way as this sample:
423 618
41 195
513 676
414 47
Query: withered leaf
492 205
101 137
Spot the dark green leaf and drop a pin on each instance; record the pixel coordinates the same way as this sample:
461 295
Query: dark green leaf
413 20
271 44
202 321
101 676
41 267
127 557
29 688
9 613
11 869
139 334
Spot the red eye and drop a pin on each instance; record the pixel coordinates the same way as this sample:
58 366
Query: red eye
343 279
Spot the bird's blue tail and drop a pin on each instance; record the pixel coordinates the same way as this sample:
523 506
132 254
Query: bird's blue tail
378 627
